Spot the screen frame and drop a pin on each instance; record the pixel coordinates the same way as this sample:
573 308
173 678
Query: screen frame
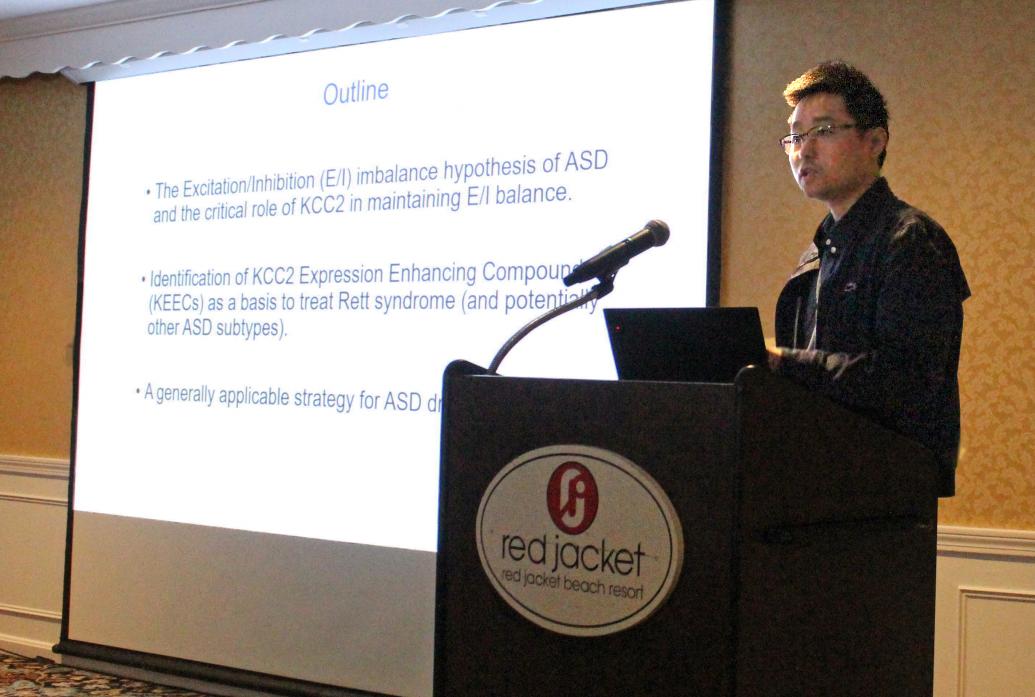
112 656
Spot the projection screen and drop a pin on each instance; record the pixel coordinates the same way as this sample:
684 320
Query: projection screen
279 258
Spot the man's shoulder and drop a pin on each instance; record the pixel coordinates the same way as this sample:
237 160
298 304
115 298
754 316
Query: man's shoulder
911 233
908 225
904 223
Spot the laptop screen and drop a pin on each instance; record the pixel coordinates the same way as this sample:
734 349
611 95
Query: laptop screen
693 344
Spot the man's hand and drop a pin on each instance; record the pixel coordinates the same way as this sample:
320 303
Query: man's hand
775 353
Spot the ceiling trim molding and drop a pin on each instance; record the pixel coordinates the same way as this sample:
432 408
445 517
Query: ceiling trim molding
115 33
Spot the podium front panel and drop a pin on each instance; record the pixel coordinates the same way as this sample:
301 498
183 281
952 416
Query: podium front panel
681 435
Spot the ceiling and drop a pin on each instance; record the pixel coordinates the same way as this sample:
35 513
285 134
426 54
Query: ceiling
50 35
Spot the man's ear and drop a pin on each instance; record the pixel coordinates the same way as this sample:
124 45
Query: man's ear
877 138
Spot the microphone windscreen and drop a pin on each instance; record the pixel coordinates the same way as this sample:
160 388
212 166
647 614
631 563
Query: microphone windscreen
659 231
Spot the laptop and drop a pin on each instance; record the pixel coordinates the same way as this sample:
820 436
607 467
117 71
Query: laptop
685 344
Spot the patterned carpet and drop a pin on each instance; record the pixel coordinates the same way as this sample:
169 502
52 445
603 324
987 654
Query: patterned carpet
34 677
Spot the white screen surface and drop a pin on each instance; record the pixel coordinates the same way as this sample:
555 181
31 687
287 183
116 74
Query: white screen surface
282 255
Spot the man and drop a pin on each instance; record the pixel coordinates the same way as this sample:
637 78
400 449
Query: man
873 315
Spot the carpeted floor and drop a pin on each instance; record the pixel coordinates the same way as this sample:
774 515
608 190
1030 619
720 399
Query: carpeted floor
37 677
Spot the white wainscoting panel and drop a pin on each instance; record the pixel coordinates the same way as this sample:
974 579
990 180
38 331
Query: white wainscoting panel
985 613
33 515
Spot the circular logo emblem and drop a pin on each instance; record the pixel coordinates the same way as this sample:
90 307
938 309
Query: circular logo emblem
601 556
571 498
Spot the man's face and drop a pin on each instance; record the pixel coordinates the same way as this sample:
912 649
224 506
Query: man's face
838 168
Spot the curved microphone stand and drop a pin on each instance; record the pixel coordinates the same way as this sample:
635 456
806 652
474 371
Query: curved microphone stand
606 285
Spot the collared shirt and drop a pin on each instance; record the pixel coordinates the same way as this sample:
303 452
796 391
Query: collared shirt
831 239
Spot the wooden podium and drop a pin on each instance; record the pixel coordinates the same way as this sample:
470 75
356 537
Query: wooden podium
809 536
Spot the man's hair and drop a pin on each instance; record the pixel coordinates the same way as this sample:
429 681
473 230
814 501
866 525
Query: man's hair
862 99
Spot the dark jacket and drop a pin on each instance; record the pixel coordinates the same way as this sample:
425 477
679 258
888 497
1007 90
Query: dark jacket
889 321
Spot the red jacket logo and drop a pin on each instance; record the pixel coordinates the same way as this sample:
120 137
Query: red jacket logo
572 498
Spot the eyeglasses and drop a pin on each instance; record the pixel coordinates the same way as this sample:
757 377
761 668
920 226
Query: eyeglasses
793 141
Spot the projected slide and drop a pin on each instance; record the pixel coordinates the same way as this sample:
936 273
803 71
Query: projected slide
282 256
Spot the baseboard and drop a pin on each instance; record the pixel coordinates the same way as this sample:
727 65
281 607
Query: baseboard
31 648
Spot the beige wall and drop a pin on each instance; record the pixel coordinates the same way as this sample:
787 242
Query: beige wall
958 76
41 170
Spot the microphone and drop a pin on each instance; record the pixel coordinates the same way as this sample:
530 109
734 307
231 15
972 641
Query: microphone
654 234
